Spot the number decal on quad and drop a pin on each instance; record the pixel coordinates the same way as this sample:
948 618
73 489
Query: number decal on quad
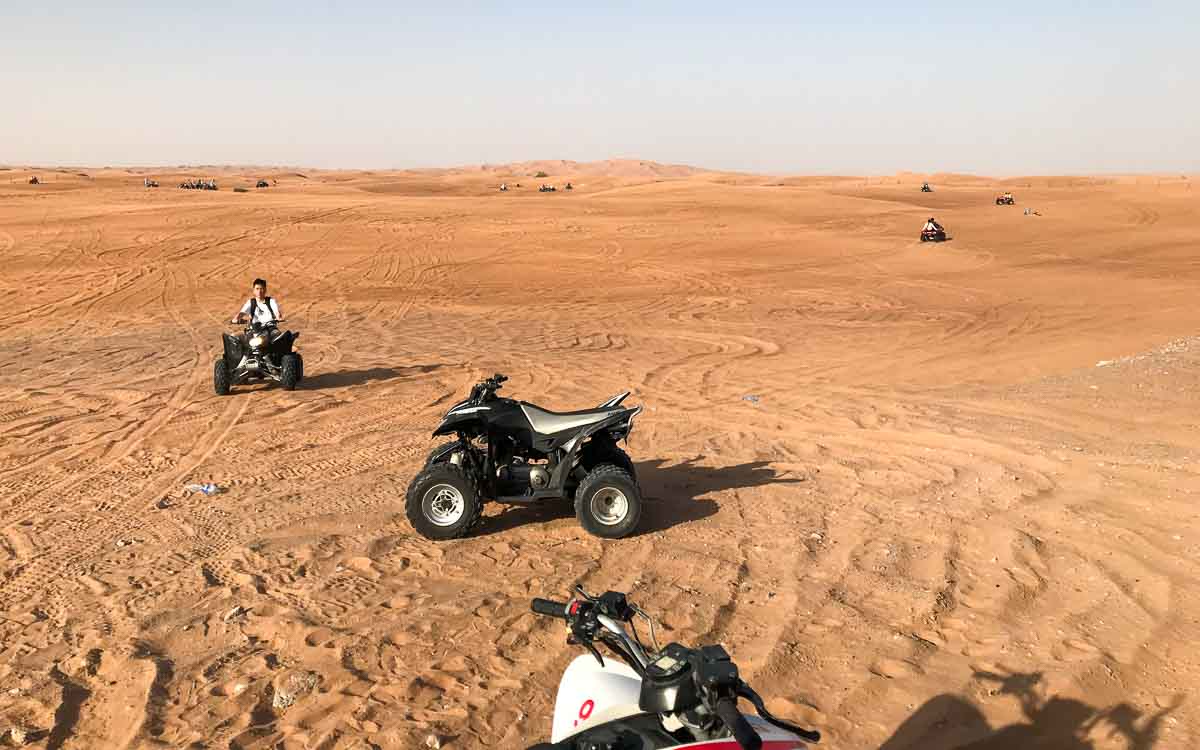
585 710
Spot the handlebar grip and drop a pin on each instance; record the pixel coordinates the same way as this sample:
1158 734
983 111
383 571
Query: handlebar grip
742 731
549 608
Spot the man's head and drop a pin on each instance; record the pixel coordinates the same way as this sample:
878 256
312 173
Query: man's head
260 288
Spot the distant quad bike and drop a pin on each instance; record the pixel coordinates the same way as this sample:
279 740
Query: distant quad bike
34 181
933 235
514 452
1005 200
547 189
925 188
262 352
262 184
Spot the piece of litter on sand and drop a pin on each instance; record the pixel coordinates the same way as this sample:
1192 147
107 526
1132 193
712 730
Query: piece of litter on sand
208 488
751 398
1105 362
432 742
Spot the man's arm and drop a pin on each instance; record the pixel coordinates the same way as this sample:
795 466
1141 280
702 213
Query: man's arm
243 315
278 312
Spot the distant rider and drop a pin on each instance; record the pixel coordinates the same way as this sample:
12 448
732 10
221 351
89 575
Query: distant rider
260 308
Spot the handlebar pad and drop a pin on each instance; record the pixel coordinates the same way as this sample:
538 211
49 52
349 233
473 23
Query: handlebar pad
742 731
549 608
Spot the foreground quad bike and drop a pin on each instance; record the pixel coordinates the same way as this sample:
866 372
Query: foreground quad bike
262 352
514 452
661 698
933 235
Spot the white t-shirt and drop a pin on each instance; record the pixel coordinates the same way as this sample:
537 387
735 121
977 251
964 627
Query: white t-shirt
264 312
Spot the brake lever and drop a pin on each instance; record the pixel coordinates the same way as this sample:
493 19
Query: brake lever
573 640
747 692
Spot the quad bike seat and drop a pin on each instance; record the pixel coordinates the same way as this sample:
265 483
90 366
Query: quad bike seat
548 422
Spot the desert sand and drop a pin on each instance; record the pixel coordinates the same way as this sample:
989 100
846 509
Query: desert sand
960 508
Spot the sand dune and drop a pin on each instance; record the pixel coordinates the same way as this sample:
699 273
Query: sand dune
941 522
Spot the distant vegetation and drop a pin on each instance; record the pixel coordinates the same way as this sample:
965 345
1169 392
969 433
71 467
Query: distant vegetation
541 174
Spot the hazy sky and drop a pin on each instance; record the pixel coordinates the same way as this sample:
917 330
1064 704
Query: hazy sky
851 87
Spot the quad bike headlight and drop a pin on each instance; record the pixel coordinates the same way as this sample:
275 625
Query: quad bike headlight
257 341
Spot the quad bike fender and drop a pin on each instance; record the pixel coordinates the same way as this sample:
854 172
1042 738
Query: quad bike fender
283 343
617 422
234 351
590 694
464 421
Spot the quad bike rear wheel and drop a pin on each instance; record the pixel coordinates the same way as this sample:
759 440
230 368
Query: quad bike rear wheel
443 502
608 502
220 377
289 372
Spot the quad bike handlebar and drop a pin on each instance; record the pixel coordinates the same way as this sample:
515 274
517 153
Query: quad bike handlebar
602 618
485 390
549 608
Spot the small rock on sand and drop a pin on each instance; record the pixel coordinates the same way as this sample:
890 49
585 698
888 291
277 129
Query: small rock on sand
292 686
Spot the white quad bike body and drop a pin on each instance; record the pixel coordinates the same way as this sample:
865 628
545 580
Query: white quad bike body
590 695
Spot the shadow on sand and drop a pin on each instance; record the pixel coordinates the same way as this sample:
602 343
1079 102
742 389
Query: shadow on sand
949 722
360 377
673 494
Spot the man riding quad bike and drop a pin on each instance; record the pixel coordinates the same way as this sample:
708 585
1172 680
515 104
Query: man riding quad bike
262 352
933 232
514 452
1005 200
925 188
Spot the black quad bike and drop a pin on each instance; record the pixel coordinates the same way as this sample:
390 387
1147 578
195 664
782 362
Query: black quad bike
1005 200
262 352
925 188
933 235
514 452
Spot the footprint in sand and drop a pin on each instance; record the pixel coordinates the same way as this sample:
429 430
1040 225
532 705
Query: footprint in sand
319 637
1074 649
823 625
1024 576
893 668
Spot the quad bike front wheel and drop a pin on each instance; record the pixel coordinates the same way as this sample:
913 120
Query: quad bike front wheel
608 502
443 502
290 372
220 377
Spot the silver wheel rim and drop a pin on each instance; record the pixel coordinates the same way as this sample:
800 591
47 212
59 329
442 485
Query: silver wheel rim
444 505
610 506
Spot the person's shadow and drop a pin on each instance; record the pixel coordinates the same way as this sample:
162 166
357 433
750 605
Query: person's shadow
674 494
345 378
949 722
